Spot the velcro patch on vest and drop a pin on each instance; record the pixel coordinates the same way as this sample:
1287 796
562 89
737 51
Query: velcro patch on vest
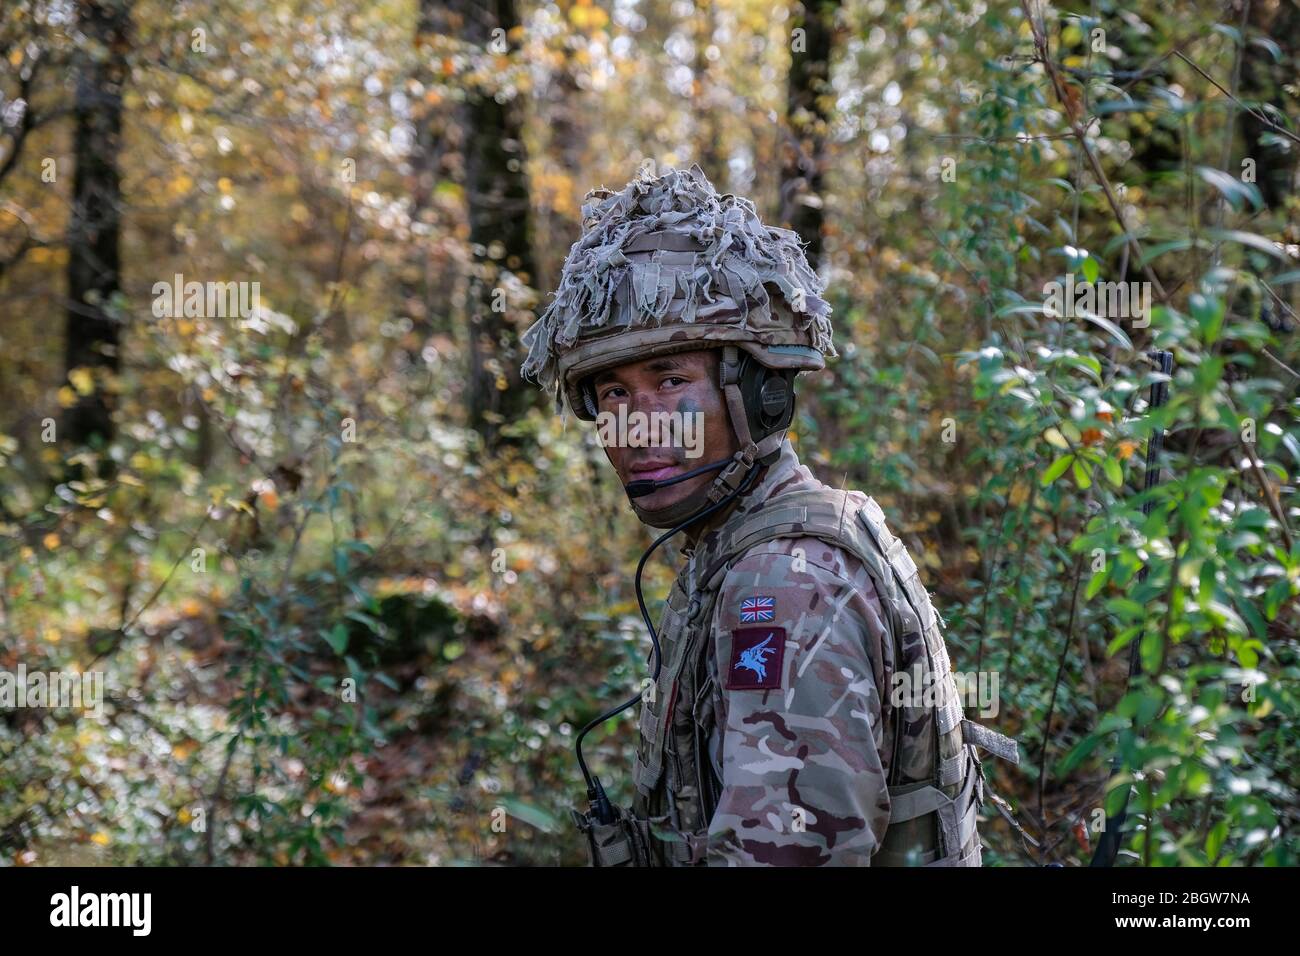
756 657
756 610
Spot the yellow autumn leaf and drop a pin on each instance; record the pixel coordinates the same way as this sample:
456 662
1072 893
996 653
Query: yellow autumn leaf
83 380
51 541
67 397
52 635
100 838
182 750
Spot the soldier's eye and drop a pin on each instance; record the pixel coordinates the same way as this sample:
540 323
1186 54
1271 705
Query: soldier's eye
612 392
674 378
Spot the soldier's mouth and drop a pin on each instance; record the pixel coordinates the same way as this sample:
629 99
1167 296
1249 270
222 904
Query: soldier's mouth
654 470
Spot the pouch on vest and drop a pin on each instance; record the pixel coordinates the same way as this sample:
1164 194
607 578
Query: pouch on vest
621 843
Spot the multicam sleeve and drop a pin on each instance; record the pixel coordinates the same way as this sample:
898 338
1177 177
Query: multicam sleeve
798 655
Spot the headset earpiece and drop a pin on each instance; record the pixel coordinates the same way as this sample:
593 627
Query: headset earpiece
769 397
773 398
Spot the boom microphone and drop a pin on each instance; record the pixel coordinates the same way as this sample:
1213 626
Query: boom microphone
648 486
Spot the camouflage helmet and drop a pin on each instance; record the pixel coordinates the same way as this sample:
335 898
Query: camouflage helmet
667 265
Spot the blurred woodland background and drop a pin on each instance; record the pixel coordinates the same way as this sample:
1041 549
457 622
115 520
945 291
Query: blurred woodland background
353 585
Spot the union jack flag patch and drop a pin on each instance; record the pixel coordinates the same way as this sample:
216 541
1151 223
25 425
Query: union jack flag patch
756 609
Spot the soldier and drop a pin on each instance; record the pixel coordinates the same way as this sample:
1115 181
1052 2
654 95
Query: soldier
803 710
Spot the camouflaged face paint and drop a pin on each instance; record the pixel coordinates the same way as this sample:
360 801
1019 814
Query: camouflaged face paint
692 419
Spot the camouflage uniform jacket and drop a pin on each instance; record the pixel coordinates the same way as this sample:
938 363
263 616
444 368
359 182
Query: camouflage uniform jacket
770 737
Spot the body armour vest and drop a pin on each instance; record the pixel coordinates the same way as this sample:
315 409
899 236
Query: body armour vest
935 780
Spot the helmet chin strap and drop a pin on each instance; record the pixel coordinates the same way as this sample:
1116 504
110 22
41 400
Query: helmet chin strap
734 469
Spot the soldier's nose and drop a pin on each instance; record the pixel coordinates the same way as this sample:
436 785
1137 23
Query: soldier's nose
648 402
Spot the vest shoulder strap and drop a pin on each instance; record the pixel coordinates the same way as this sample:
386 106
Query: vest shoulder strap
824 513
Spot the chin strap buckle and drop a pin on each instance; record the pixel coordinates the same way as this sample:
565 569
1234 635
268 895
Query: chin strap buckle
729 366
731 477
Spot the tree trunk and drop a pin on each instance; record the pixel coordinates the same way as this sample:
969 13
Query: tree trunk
804 156
1264 81
568 109
426 285
93 334
707 122
496 187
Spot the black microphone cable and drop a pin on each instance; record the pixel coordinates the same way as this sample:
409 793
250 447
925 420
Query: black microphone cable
648 486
